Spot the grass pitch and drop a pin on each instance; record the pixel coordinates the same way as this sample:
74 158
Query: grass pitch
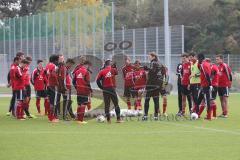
171 140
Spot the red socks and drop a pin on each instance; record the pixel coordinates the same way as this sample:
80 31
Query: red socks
129 103
225 107
38 105
19 111
214 108
80 112
89 106
164 105
201 110
47 106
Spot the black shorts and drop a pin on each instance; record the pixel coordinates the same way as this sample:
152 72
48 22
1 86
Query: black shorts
185 91
128 92
214 93
152 91
223 91
28 91
20 95
52 94
82 100
41 94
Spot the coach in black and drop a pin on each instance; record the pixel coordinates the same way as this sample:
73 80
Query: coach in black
154 85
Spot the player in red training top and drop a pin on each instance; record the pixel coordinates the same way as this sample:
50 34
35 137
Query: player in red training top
106 83
27 78
19 87
206 86
127 72
81 81
16 62
140 79
39 81
50 72
185 82
225 82
64 87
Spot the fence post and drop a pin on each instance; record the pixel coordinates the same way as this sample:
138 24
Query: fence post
157 43
69 33
53 17
27 38
46 35
76 31
103 34
40 37
113 25
33 44
134 46
145 45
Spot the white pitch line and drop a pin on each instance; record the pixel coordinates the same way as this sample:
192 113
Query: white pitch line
208 129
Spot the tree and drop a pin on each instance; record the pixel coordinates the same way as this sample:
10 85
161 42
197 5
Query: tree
13 8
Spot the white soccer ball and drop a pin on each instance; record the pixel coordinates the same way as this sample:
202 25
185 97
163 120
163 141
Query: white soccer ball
100 119
194 116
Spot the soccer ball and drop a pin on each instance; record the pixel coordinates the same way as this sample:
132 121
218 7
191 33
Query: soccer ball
100 119
194 116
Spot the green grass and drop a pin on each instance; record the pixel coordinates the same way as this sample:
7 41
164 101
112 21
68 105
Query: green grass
173 140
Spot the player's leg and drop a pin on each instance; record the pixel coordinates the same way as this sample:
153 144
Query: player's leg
127 95
207 99
225 102
65 100
146 104
20 105
164 97
199 102
46 102
189 98
89 105
58 104
106 98
82 103
156 106
38 100
69 105
114 99
52 99
213 102
179 100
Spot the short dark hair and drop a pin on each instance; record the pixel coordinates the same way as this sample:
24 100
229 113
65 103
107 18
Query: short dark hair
153 54
24 61
185 55
16 59
70 60
39 61
107 62
28 58
19 54
201 56
87 62
220 56
137 62
53 58
192 54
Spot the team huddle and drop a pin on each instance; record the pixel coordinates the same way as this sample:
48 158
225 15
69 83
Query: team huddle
199 81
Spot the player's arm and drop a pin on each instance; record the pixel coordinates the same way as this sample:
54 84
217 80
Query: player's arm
100 80
87 79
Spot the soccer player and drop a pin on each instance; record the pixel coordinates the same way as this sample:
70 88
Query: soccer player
140 79
179 76
225 82
81 81
39 81
128 71
16 62
105 81
27 78
153 85
194 80
19 87
185 82
214 80
51 74
64 87
206 85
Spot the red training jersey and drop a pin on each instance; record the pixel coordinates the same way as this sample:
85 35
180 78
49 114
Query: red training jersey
12 74
27 77
186 73
108 77
140 78
39 79
205 71
51 75
128 75
82 80
214 75
225 75
19 83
